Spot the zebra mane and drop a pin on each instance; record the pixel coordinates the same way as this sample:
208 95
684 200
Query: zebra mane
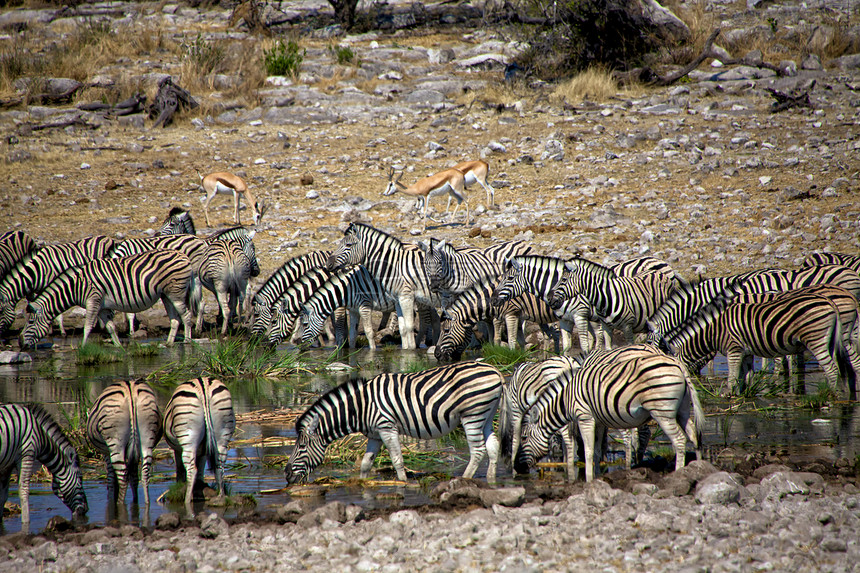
365 231
589 266
338 401
229 233
699 320
534 260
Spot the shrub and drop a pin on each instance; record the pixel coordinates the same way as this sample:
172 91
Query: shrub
344 55
284 59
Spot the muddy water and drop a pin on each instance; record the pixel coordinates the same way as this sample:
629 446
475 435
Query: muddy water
767 425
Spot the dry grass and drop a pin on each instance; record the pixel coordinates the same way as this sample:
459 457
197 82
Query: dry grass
594 84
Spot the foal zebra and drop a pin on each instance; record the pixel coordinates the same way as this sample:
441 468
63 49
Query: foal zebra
354 289
400 268
618 388
744 326
29 434
124 424
198 426
275 286
473 306
129 284
32 273
592 291
423 405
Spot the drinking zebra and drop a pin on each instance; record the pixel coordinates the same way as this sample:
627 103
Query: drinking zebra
527 383
423 405
400 268
28 434
14 245
620 388
594 292
357 291
225 270
451 271
124 424
473 306
289 307
31 274
198 426
129 284
743 326
275 286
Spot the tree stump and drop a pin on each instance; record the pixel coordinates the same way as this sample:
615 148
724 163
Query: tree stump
169 99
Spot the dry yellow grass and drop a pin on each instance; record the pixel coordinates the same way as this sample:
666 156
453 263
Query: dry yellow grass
594 84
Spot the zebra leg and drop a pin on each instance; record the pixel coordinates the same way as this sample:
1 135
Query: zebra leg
353 318
566 329
512 323
674 432
25 472
491 443
131 469
5 478
373 447
391 440
567 436
107 317
367 320
587 429
497 331
59 321
145 472
406 317
116 473
644 432
583 327
174 311
93 306
734 383
475 437
223 304
516 435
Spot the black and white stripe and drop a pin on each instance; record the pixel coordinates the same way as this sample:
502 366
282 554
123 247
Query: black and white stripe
594 292
400 268
620 388
177 222
474 305
354 289
198 426
225 270
451 271
13 246
289 307
275 286
816 259
28 434
423 405
128 284
125 424
742 327
36 270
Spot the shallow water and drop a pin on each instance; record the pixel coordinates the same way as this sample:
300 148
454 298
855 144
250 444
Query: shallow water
777 426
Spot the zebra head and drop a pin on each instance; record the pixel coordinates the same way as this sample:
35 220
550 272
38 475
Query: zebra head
312 324
67 483
435 264
511 284
534 446
282 324
38 326
308 453
563 290
350 251
452 339
178 222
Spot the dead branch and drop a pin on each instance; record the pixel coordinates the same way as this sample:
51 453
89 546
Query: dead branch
169 99
677 75
786 101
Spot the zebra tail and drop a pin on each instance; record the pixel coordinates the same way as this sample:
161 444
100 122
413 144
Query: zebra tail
506 438
211 439
194 294
843 360
133 449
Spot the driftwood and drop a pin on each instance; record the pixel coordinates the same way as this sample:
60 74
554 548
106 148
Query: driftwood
169 99
677 75
41 99
75 120
786 101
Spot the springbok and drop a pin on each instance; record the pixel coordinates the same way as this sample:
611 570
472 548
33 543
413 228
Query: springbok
451 181
477 172
226 183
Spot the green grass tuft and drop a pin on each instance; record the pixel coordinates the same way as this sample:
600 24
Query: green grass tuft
92 354
823 396
505 358
284 59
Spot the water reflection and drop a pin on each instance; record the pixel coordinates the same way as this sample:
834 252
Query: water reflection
54 379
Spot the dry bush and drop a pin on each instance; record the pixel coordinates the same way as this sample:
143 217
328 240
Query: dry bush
594 84
494 94
248 66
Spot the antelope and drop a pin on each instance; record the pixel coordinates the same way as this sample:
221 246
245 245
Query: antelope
451 181
225 183
477 171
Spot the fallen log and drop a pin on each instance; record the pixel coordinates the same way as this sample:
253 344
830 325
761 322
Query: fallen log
169 99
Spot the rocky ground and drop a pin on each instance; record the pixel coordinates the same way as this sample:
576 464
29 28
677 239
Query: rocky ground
700 173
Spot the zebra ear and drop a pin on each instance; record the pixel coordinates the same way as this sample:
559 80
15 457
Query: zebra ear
425 248
569 266
30 308
442 244
252 233
311 427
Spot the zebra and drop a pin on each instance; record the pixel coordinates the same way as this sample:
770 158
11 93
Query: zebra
124 425
356 290
741 326
290 305
592 291
128 284
815 259
13 246
452 271
535 274
225 270
198 426
474 305
177 222
527 382
275 286
620 388
32 273
28 434
424 405
400 268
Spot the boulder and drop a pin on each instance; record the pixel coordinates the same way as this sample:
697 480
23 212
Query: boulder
719 488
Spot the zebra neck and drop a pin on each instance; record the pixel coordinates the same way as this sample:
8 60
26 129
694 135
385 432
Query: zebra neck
18 282
62 295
